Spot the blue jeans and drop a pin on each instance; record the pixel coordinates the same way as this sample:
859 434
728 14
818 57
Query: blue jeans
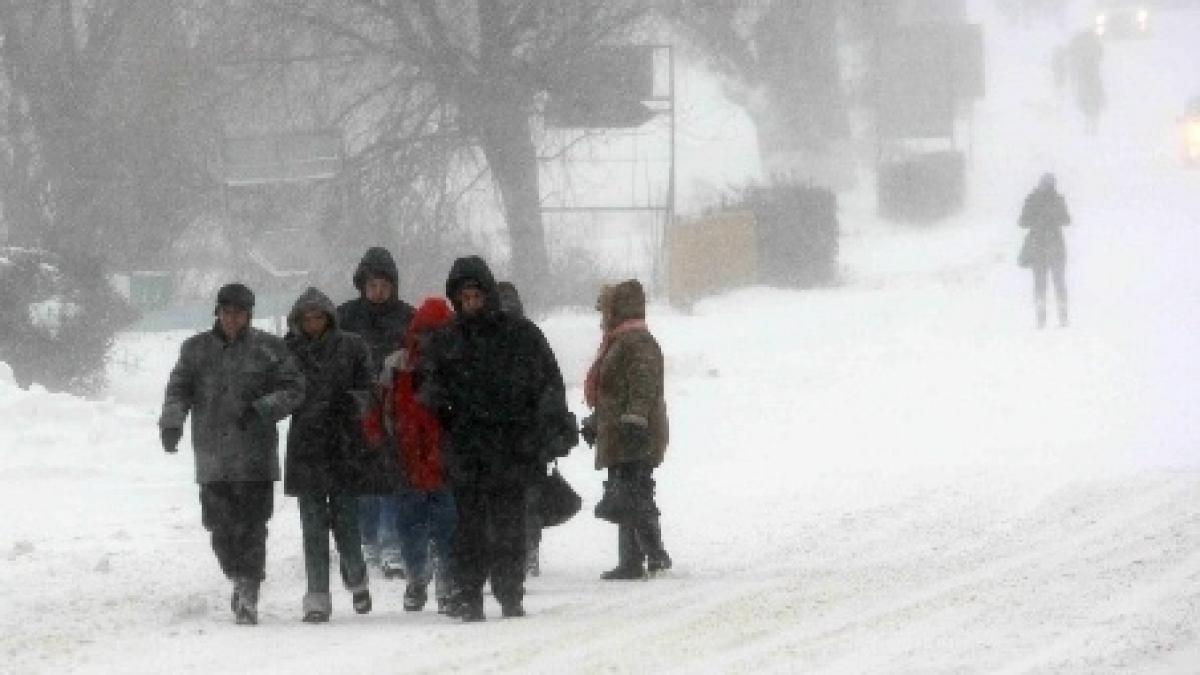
424 521
377 520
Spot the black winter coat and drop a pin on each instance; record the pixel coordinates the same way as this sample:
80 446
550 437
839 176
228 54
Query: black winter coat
494 380
1044 214
326 450
215 380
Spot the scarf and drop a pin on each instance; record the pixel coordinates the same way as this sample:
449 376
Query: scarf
591 384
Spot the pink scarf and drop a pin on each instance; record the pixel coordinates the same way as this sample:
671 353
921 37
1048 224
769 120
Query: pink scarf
591 385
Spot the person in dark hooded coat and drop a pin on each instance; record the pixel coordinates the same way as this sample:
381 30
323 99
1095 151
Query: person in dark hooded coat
327 463
485 375
381 318
1044 251
555 415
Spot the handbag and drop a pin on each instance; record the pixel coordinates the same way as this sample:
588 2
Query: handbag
558 502
616 504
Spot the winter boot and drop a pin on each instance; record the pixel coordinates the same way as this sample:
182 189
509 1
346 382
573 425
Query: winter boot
533 566
629 557
246 595
316 617
512 609
649 536
392 565
1040 311
471 609
415 595
361 601
317 607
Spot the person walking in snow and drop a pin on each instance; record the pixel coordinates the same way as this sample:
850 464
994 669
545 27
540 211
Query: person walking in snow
561 431
1044 250
628 428
237 382
484 374
327 462
426 515
381 318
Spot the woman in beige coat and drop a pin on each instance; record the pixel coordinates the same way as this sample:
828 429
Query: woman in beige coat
628 427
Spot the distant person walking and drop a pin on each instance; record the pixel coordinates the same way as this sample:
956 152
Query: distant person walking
327 461
237 382
1044 250
628 428
381 318
1086 54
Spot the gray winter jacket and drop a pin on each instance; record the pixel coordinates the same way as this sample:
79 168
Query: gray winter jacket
217 381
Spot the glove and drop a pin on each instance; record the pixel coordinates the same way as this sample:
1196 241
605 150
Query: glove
170 438
635 438
587 430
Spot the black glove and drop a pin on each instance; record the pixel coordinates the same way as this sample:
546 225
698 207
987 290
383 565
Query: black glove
635 438
587 430
170 438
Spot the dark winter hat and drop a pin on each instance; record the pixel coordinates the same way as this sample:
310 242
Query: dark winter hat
236 295
376 262
471 270
627 300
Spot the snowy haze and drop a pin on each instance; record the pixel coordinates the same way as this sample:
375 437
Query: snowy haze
898 474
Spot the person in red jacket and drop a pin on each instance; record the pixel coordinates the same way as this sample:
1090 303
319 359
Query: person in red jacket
426 514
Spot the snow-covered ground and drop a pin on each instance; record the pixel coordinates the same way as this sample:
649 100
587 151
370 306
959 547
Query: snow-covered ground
896 475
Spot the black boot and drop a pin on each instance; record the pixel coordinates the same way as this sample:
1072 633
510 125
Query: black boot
471 609
246 601
629 557
649 535
415 595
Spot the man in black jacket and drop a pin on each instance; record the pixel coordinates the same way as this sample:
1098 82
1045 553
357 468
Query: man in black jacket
487 375
381 318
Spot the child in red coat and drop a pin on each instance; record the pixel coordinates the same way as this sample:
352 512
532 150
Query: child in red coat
426 515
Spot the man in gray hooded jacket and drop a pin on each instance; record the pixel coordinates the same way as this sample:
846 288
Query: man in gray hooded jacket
237 382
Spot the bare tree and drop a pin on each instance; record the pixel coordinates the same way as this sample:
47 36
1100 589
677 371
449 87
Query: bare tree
486 62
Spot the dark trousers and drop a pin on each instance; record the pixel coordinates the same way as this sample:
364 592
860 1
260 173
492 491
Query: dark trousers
236 514
377 521
639 534
321 514
425 522
500 511
1056 272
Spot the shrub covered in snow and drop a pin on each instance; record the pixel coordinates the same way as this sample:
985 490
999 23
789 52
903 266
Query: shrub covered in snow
60 317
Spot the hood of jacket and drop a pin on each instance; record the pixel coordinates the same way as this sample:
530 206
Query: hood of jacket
377 262
431 315
510 299
311 298
472 267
